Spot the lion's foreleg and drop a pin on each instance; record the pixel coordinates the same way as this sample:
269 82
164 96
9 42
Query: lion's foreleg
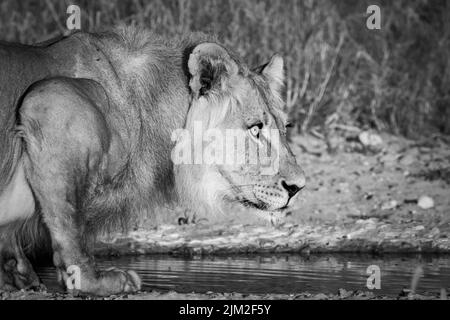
65 147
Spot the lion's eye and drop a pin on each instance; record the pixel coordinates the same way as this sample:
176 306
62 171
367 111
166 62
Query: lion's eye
254 131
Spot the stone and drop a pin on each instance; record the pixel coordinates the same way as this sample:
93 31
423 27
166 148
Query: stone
390 205
425 203
369 139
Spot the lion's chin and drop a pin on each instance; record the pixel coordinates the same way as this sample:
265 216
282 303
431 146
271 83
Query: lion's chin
262 210
276 218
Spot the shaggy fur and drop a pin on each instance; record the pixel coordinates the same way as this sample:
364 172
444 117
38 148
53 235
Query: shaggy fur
152 87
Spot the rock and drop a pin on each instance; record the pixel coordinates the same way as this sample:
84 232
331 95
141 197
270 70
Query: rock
434 232
408 160
320 296
389 158
369 139
425 203
342 293
389 205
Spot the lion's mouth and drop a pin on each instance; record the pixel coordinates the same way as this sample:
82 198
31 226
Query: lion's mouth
250 204
262 210
261 206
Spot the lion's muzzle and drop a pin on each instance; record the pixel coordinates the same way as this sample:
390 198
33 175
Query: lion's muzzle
279 195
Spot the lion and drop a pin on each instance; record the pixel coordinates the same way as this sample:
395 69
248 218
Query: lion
87 142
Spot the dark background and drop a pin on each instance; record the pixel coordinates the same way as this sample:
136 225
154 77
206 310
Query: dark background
395 80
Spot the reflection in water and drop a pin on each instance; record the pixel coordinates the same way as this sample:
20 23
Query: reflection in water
278 274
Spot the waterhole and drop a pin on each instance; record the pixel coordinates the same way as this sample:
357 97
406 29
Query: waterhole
278 274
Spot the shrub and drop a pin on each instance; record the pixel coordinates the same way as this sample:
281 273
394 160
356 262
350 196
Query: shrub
395 79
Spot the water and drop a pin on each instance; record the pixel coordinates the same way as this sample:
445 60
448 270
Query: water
282 274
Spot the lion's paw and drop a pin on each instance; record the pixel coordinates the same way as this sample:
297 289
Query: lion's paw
110 282
16 276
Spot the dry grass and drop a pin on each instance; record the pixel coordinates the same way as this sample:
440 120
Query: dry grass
396 79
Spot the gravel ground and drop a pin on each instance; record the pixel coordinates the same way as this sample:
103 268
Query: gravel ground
340 295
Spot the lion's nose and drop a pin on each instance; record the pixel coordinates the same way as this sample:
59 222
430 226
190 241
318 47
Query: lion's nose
293 187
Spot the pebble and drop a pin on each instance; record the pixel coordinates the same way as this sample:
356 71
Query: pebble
320 296
369 139
389 205
342 293
425 203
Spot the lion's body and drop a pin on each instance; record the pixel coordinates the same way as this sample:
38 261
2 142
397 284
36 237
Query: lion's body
117 67
86 127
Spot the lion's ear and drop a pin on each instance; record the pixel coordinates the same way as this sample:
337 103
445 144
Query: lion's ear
211 67
274 72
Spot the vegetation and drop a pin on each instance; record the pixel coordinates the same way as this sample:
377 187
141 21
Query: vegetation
339 73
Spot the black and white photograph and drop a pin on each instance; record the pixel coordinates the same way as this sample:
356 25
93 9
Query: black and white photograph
249 151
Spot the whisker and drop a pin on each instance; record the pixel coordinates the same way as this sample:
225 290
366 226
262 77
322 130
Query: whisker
245 187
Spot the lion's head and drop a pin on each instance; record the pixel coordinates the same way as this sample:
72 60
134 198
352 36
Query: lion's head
233 149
